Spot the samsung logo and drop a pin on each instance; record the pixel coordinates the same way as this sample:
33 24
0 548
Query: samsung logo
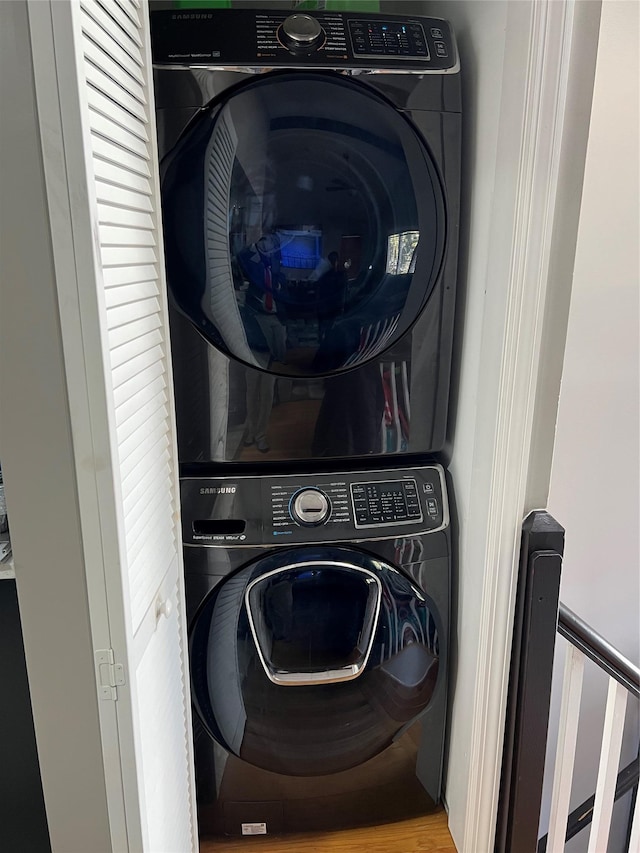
192 16
217 490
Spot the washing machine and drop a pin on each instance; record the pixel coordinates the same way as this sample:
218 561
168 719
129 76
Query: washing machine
310 180
319 622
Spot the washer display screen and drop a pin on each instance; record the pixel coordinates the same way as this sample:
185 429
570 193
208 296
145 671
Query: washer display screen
391 502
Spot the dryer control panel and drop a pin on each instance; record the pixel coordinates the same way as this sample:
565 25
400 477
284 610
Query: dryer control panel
272 38
296 509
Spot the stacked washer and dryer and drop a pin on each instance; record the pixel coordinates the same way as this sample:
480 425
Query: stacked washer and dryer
310 174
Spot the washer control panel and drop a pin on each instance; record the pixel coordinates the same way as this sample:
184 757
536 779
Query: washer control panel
275 38
298 508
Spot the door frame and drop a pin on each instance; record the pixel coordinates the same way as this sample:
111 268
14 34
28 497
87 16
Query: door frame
547 86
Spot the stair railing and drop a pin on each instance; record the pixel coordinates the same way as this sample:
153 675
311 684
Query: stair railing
539 617
611 784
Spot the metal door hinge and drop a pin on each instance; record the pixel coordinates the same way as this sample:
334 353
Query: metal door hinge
110 674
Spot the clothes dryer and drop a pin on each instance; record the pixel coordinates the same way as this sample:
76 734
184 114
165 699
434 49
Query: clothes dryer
310 188
319 611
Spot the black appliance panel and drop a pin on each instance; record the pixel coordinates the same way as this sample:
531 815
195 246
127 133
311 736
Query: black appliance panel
397 402
278 753
250 511
250 38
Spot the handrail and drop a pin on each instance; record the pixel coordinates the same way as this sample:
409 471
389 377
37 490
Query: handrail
599 650
617 666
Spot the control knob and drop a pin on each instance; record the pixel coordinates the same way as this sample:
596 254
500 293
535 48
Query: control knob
310 507
301 33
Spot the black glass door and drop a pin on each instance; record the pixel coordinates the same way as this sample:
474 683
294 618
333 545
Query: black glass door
304 224
310 661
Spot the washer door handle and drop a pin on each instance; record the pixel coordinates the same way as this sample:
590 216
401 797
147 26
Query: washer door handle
326 676
277 628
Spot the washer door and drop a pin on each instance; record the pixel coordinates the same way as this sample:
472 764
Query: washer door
304 223
310 661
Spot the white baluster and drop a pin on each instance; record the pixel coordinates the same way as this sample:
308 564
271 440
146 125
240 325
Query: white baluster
608 769
566 748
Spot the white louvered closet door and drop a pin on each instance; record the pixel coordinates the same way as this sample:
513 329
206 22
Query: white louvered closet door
117 328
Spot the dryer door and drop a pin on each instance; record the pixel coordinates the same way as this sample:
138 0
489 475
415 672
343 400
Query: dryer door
311 660
304 223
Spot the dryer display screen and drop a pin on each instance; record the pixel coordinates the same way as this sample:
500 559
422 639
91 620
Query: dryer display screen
404 39
391 502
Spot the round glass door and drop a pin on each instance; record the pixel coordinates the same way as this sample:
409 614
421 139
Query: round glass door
304 224
311 660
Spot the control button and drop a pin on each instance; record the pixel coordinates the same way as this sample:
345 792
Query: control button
436 32
432 506
310 507
428 488
301 32
441 48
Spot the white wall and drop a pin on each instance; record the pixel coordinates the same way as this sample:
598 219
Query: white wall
594 489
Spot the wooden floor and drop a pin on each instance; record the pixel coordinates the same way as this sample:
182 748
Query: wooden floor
427 834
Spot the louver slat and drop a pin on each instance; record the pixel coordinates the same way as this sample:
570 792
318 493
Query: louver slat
121 335
135 347
124 22
152 483
121 176
156 544
130 293
116 236
151 508
130 452
113 71
112 257
153 430
115 276
114 132
100 88
126 411
112 34
150 459
131 10
137 420
135 365
125 198
109 84
107 107
138 496
110 215
128 313
114 153
127 392
96 34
